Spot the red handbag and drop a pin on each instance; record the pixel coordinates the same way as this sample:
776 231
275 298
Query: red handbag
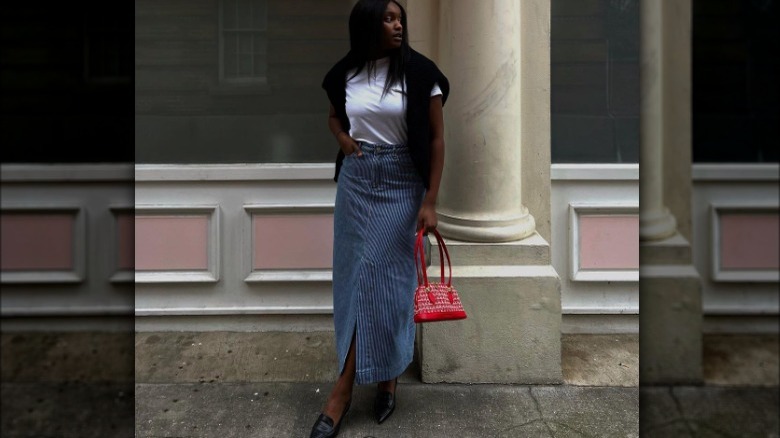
435 301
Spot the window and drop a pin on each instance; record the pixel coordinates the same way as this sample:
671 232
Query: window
108 43
736 109
243 45
67 79
235 81
595 81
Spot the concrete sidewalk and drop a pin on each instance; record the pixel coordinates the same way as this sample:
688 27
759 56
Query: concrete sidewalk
446 410
274 384
223 410
423 410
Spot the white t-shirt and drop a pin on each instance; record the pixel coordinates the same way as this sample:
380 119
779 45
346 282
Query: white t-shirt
374 119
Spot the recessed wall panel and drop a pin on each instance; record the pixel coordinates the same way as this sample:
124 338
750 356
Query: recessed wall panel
169 243
292 241
609 242
749 241
125 229
604 242
37 241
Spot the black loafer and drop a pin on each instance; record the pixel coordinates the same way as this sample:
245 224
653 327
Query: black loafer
323 427
384 404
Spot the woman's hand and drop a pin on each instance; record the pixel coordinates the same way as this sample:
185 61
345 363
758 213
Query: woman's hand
426 219
348 144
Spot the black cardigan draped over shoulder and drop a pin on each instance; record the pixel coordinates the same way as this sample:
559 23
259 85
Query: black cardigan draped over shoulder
421 74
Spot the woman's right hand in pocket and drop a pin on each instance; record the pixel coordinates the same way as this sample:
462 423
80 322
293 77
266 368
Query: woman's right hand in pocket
348 145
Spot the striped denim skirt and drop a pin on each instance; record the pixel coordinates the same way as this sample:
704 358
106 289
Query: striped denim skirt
378 197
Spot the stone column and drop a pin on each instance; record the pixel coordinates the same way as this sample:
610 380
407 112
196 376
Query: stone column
670 287
423 22
500 262
480 51
655 221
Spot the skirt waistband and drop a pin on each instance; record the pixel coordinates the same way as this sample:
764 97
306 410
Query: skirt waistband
382 148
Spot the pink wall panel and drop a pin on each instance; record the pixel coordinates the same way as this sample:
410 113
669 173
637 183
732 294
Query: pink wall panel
125 241
749 241
37 241
609 241
166 243
293 241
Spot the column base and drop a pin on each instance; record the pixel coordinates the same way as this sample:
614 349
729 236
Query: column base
670 303
657 225
512 333
471 230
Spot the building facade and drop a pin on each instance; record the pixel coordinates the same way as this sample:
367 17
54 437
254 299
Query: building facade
554 105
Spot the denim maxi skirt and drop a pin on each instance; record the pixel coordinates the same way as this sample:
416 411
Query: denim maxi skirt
378 197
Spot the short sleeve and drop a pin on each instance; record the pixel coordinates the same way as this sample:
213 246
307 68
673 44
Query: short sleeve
436 91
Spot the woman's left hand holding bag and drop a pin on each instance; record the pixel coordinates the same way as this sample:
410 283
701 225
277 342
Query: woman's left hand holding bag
426 219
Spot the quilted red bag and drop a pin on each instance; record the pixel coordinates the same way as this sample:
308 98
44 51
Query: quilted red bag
435 301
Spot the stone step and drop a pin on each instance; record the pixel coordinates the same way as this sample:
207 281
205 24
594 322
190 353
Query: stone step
511 333
675 250
533 250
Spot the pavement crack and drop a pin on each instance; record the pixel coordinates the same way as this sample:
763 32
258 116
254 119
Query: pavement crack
539 410
515 426
566 426
657 426
678 404
719 433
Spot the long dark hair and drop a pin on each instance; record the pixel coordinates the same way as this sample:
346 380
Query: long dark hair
365 39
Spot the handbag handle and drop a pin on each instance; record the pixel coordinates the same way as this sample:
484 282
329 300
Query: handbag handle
418 249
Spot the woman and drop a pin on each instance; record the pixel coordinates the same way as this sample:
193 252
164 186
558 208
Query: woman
386 115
